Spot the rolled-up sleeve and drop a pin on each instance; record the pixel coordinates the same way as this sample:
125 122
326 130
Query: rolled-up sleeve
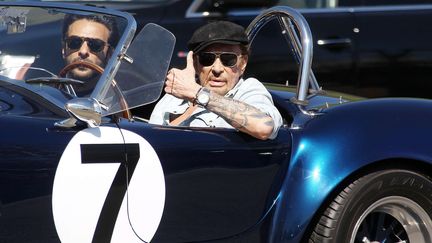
253 92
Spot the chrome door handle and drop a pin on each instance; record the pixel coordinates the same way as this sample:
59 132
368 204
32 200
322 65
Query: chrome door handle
337 42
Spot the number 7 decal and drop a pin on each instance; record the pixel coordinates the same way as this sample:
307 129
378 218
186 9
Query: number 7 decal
126 154
106 190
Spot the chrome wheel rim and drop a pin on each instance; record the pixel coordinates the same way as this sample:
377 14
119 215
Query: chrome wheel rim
393 219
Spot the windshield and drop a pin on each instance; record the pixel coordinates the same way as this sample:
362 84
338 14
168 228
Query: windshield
141 74
78 50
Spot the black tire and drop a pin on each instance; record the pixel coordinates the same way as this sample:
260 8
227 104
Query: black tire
384 206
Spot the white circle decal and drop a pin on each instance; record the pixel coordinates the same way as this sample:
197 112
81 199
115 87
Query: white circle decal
108 190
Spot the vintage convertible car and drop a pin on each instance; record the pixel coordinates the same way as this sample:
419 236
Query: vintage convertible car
89 169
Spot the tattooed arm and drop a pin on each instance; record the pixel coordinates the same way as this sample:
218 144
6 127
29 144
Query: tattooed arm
242 116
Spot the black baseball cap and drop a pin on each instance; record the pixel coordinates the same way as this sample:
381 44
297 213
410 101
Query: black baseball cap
223 32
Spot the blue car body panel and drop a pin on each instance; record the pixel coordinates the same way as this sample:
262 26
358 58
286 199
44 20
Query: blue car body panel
325 157
221 185
292 176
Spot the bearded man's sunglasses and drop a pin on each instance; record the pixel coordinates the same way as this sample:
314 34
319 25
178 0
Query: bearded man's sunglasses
75 42
228 59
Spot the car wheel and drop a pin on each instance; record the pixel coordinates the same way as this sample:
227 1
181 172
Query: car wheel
384 206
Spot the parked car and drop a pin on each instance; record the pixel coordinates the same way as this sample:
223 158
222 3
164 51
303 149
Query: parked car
367 47
81 169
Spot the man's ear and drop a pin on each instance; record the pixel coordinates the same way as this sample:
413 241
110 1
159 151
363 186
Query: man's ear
244 61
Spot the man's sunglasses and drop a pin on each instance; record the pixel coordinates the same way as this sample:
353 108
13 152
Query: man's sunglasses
228 59
75 43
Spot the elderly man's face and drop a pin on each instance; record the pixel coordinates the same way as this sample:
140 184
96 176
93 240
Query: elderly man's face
218 76
85 38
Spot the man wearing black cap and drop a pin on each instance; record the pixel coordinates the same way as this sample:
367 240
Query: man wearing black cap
210 91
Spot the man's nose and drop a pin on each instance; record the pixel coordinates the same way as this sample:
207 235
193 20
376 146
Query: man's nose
84 50
218 67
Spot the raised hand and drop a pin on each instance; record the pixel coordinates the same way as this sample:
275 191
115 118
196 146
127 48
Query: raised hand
181 82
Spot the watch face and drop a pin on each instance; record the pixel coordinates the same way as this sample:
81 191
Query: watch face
203 98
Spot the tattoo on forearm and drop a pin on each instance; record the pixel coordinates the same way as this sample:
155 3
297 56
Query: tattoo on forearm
237 113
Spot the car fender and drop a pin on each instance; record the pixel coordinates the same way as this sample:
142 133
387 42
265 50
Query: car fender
341 141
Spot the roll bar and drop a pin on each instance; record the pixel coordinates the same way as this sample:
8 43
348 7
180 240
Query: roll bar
301 44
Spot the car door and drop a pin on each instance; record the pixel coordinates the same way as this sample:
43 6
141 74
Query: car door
394 52
219 182
30 148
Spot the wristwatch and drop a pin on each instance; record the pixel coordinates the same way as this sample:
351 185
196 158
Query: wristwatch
203 97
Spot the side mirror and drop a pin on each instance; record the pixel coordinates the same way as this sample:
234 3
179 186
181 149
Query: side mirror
87 110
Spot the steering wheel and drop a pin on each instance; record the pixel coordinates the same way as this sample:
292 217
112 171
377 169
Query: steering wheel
123 104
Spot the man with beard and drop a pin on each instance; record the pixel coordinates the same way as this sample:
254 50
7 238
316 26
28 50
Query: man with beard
88 39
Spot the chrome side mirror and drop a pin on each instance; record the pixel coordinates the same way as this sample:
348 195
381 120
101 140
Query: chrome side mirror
87 110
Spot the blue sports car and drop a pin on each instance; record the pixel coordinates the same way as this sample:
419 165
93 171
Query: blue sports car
90 168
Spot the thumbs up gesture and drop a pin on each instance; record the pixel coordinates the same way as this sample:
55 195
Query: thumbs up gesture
181 82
